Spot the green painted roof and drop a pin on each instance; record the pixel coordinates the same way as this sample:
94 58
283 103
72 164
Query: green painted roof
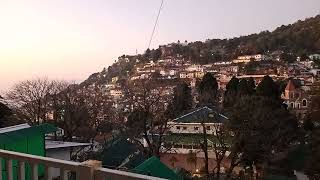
119 151
188 138
203 114
15 135
154 167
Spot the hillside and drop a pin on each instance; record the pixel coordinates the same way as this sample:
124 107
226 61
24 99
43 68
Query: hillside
300 38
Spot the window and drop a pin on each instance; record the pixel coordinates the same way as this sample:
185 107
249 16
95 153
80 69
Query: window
304 103
298 105
178 127
184 128
196 128
208 128
292 105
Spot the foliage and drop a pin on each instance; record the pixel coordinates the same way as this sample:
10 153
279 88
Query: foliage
262 128
182 99
5 111
312 165
208 89
268 88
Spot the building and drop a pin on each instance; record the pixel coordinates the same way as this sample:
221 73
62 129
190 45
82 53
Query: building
62 150
256 57
23 138
248 58
115 79
183 75
116 93
315 56
296 98
185 134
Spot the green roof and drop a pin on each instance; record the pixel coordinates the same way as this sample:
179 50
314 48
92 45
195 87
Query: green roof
122 152
203 114
154 167
15 135
188 138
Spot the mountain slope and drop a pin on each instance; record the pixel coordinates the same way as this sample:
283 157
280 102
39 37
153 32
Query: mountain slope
300 38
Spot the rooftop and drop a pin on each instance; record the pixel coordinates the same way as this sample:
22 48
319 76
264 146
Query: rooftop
203 114
61 144
14 128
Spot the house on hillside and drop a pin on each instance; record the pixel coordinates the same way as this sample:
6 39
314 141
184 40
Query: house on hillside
296 98
185 134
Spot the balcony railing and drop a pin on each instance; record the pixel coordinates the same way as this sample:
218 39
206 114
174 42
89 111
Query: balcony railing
81 171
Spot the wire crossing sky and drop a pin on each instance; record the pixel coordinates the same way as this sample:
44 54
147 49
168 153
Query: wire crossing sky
67 39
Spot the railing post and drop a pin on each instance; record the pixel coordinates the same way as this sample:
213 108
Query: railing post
9 169
84 172
21 171
63 174
35 172
47 173
1 168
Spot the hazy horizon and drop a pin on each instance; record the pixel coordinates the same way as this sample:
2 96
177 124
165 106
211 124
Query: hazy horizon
67 40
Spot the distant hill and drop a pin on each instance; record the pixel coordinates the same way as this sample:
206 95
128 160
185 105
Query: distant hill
300 39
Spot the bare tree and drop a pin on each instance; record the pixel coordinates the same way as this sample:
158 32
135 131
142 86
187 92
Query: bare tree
220 146
149 118
82 112
30 99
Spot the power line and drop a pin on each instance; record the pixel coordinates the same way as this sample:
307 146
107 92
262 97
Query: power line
155 24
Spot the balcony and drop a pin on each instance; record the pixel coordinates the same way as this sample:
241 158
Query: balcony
16 163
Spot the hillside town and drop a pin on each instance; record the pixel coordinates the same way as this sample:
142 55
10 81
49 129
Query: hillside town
244 108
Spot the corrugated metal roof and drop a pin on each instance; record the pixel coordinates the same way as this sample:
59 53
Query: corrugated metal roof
15 133
14 128
62 144
201 115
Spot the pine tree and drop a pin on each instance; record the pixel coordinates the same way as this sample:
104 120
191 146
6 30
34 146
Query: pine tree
268 88
231 92
182 99
208 90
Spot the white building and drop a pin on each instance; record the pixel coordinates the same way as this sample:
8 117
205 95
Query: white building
186 130
61 150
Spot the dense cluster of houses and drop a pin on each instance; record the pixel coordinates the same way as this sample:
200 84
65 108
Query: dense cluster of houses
304 71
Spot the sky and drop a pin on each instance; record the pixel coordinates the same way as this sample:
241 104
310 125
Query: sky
71 39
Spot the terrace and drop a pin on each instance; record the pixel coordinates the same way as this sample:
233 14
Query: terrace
25 166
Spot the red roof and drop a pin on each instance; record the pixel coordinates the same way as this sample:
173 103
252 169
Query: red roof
290 86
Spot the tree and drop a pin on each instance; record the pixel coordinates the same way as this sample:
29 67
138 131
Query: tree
231 93
313 143
147 54
262 128
208 89
83 113
268 88
220 146
288 57
252 85
148 121
244 88
156 54
182 99
30 98
5 111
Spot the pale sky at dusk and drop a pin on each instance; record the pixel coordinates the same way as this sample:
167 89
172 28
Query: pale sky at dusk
71 39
